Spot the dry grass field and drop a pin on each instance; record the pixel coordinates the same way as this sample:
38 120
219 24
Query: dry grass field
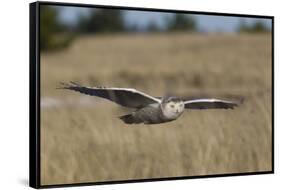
82 139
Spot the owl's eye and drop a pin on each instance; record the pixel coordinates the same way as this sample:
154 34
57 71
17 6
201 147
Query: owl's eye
172 106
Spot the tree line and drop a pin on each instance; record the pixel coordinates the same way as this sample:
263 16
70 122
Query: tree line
54 34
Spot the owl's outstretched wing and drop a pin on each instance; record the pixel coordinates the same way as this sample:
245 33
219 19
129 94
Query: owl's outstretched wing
126 97
209 104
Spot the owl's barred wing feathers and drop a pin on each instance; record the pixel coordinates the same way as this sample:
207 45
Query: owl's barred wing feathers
126 97
209 104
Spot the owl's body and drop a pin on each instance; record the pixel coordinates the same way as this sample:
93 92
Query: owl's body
149 109
146 115
155 113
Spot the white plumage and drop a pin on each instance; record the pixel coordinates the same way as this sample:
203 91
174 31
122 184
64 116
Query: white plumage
149 109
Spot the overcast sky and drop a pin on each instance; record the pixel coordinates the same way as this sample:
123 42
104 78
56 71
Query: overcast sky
142 18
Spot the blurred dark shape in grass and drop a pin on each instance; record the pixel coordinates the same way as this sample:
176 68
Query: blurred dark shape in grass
256 27
102 21
181 22
153 27
54 35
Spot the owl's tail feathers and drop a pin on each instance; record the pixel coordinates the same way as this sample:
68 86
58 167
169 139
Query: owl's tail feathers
129 119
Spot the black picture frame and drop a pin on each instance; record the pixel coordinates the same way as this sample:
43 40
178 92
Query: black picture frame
34 94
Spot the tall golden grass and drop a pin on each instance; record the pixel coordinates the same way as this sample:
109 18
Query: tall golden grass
82 139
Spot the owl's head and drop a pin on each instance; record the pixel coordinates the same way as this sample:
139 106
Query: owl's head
172 107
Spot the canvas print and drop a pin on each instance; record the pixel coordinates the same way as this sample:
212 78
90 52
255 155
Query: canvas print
135 94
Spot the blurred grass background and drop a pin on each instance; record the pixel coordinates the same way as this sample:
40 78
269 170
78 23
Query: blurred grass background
82 139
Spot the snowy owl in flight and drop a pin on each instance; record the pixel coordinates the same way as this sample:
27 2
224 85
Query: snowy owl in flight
148 109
